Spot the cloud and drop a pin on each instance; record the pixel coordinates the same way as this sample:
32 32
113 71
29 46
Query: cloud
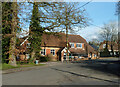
90 33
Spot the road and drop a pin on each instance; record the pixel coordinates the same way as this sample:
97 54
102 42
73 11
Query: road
89 72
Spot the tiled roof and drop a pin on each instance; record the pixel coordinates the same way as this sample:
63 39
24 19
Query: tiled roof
59 40
115 46
91 49
76 39
77 51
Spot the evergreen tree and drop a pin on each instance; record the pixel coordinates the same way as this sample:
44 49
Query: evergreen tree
6 29
35 30
9 28
14 23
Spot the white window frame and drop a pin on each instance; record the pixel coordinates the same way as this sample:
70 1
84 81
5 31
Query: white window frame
44 51
79 44
52 51
72 45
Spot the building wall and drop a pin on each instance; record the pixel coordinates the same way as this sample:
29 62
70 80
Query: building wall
109 47
115 50
93 57
62 55
83 46
48 52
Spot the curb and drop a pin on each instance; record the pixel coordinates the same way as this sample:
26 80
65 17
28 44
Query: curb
29 68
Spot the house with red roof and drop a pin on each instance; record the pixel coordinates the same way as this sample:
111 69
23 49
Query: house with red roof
55 45
115 46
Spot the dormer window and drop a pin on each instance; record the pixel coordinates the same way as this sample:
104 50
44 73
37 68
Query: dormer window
79 45
72 45
28 45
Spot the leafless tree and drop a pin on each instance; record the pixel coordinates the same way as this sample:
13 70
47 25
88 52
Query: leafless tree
67 16
62 16
109 33
118 8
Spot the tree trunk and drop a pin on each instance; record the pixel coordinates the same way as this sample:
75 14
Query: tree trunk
106 45
67 33
12 56
67 41
112 49
12 48
32 56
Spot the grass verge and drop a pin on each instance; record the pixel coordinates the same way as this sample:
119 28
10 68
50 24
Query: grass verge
7 66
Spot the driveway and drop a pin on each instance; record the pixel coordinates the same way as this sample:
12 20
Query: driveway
91 72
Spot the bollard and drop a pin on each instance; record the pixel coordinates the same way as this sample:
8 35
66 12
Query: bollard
36 61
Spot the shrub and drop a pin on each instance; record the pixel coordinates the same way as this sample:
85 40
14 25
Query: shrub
43 59
37 55
105 53
51 57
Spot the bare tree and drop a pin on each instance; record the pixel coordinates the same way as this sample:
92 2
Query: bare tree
118 8
109 33
63 15
94 42
67 16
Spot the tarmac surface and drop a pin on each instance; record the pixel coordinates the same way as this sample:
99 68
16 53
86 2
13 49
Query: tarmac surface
84 72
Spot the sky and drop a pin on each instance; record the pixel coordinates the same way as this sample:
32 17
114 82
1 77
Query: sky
99 13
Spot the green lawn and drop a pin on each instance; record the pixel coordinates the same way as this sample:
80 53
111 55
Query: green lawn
30 65
0 66
7 66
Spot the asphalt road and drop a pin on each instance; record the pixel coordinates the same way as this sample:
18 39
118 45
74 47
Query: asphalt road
91 72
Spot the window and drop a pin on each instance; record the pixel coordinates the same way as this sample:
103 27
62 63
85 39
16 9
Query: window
52 51
27 56
28 45
72 45
43 51
79 56
104 45
79 45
